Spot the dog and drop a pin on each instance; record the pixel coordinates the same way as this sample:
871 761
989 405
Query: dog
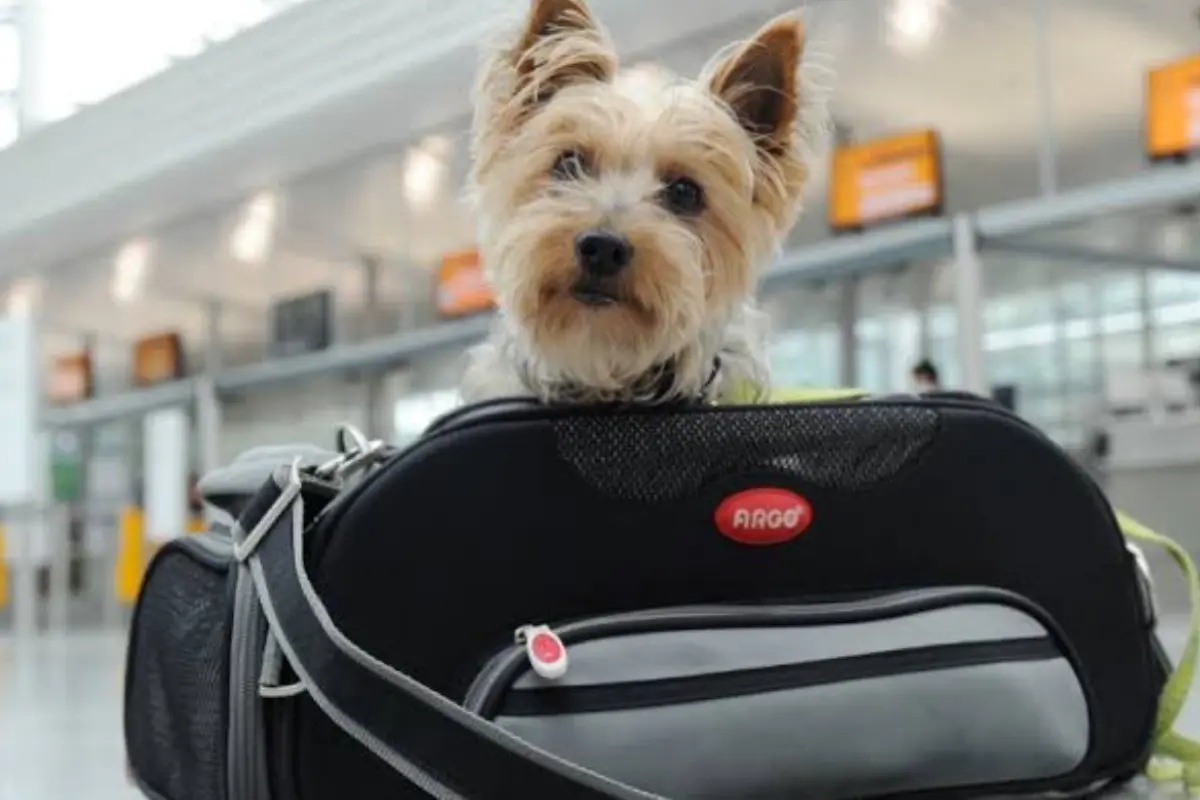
626 215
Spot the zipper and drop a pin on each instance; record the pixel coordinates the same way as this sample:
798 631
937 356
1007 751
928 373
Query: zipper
631 695
489 687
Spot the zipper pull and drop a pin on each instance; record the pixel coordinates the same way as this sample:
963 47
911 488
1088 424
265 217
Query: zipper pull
546 652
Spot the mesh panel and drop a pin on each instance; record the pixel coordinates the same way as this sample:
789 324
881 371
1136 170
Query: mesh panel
176 708
656 457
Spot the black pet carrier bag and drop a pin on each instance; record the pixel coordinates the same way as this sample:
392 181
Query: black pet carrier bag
851 599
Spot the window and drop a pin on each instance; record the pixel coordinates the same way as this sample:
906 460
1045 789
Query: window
10 73
414 413
805 358
91 50
9 123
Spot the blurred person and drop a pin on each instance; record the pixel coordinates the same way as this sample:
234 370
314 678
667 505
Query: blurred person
626 216
925 377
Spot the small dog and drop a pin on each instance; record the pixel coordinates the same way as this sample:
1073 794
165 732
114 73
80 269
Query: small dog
627 216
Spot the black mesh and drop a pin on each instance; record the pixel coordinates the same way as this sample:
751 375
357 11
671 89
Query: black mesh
656 457
176 709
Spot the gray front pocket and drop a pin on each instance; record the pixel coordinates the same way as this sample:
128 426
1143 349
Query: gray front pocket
872 697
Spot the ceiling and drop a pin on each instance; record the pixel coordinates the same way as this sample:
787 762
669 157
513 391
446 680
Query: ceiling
976 83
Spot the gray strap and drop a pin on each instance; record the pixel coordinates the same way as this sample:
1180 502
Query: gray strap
432 741
269 687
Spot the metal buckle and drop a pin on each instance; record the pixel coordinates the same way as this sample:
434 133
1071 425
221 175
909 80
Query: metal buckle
358 453
350 439
1145 583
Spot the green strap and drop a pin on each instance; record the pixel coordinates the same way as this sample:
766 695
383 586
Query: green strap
815 395
746 392
1175 756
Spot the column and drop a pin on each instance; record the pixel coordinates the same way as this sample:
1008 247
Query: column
58 516
1150 366
1099 350
926 279
208 404
22 467
968 299
62 512
1060 317
375 413
847 332
1047 133
31 79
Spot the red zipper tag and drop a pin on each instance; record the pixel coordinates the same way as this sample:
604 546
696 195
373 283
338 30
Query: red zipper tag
546 652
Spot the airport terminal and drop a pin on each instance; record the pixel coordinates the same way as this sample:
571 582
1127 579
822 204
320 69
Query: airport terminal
243 224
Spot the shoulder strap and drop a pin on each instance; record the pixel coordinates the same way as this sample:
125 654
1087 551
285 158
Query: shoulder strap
431 740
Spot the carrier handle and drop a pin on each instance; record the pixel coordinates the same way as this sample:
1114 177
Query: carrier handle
432 741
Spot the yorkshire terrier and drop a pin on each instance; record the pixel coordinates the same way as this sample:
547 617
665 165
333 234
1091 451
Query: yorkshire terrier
626 216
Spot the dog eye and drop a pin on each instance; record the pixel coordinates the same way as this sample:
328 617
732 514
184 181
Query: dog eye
570 165
683 196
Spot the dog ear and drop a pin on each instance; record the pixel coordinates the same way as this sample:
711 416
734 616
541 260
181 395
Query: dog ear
759 81
549 18
561 44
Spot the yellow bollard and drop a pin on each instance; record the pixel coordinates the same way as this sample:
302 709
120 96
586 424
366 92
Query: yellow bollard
131 555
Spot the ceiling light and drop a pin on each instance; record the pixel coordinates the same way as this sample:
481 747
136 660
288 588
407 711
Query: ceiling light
913 24
424 170
421 177
131 270
252 240
23 298
262 207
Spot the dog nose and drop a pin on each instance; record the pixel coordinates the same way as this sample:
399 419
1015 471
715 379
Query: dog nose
601 253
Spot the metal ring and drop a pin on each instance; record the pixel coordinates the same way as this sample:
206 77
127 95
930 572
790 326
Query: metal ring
351 440
360 460
1145 581
329 468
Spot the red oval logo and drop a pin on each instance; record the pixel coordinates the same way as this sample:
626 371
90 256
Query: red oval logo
763 516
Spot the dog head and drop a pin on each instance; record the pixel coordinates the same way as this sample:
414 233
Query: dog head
626 214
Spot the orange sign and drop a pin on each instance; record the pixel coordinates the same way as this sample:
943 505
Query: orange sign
461 286
157 359
885 179
1173 109
71 378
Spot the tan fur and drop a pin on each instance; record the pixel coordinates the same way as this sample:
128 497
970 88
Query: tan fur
744 131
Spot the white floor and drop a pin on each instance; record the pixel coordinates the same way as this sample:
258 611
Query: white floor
60 719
